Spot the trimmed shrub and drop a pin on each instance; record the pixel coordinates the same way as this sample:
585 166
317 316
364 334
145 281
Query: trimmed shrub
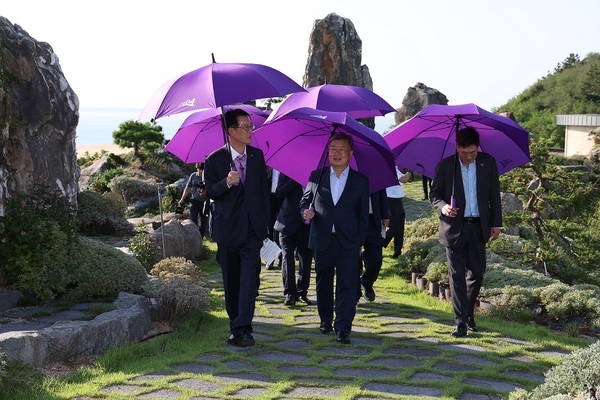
104 271
102 214
562 301
180 286
132 188
578 374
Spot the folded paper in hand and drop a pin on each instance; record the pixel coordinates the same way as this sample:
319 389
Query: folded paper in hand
270 251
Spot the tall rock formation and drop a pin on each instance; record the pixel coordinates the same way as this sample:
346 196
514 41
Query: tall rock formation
335 56
39 112
417 98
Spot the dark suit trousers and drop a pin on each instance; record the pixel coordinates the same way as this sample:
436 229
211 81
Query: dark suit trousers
372 253
289 244
396 228
341 263
466 265
240 266
197 215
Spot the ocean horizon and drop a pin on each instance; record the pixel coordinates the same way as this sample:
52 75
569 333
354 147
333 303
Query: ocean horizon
96 125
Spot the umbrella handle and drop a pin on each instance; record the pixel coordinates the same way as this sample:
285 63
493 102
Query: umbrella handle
234 169
310 208
452 202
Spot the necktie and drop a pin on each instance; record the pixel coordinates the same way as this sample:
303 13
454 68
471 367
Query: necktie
240 162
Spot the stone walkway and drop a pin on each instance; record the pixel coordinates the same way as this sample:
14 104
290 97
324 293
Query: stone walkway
391 356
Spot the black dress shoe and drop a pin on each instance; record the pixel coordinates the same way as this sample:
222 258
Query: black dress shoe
241 340
305 300
369 293
289 300
472 327
343 338
459 331
325 328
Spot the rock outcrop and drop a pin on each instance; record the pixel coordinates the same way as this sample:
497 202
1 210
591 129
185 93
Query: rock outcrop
417 98
39 112
130 321
335 56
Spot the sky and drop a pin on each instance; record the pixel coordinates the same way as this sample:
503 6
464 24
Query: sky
116 54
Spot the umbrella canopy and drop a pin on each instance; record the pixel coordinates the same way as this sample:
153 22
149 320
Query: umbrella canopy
422 141
358 102
216 85
296 144
202 132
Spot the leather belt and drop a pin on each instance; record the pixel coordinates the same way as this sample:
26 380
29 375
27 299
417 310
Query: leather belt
471 220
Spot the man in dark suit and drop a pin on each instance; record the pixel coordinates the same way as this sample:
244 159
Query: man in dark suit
470 180
336 201
372 255
293 236
236 181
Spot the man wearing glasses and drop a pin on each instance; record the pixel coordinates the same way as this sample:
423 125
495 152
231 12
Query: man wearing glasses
336 203
236 180
466 194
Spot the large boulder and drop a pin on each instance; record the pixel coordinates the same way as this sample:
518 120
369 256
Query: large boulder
130 321
335 56
416 99
38 118
180 238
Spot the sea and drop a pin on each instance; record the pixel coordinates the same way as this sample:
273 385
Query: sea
96 125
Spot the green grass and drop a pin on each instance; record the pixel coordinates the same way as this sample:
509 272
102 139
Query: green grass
398 305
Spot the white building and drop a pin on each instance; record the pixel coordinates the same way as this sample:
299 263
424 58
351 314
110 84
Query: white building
577 132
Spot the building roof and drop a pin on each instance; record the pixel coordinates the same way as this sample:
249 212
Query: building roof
578 120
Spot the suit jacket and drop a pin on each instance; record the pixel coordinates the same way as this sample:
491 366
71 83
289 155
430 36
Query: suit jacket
488 196
237 208
289 193
350 215
380 208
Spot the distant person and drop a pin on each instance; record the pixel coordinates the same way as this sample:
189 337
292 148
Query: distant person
236 182
395 230
273 175
467 226
372 254
195 185
338 228
293 239
426 187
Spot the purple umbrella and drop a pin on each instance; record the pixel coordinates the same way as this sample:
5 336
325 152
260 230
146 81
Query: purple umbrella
421 142
296 144
202 132
216 85
358 102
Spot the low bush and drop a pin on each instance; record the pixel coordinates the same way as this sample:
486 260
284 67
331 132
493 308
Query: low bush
180 286
102 214
132 188
36 236
104 271
576 377
562 301
144 249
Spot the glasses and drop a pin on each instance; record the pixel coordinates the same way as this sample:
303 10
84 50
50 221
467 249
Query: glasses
335 150
465 154
247 128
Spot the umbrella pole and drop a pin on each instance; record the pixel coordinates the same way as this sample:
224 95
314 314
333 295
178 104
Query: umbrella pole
311 207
